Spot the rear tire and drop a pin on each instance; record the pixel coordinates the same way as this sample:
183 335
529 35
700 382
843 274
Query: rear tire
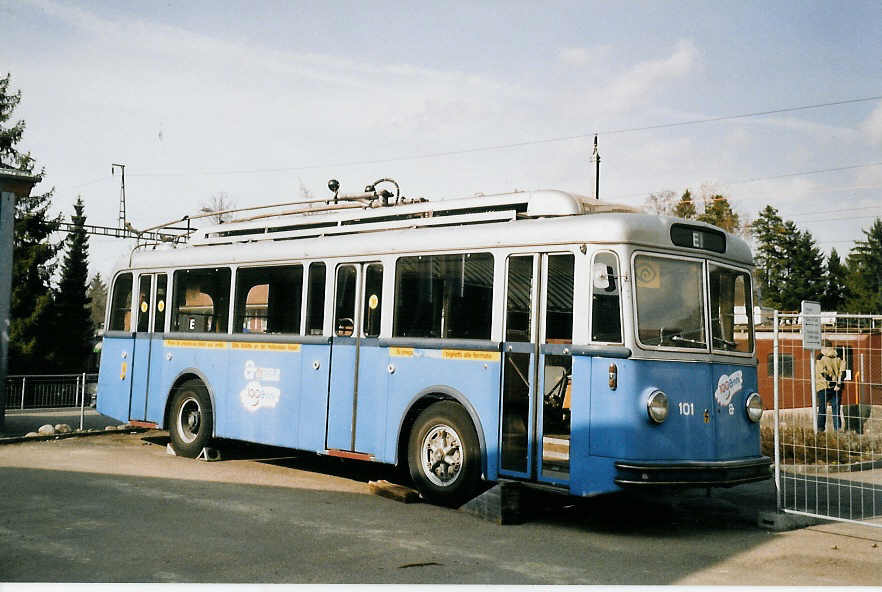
444 455
190 419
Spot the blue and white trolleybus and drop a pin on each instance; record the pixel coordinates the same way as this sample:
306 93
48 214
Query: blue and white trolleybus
538 336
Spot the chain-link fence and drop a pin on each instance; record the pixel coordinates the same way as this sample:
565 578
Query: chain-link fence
827 432
38 391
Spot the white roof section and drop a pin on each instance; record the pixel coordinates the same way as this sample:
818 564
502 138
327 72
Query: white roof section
540 218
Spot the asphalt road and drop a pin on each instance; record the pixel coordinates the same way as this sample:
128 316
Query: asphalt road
116 508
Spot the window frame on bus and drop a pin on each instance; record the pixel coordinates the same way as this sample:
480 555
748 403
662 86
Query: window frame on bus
275 265
112 292
230 296
620 279
392 315
706 313
704 303
748 309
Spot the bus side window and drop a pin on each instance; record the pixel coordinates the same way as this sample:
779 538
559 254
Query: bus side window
344 317
268 299
201 300
373 299
444 296
144 303
559 299
121 304
315 299
606 316
159 308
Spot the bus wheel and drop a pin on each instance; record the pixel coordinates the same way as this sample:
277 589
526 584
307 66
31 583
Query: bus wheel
444 455
190 422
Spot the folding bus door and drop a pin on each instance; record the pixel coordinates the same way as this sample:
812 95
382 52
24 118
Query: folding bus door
537 368
357 391
150 325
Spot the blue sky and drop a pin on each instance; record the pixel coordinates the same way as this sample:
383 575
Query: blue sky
204 97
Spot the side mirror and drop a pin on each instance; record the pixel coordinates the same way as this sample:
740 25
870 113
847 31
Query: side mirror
600 276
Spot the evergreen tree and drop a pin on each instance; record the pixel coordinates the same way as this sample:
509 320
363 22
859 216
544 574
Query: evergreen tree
97 295
719 212
768 231
804 275
31 334
685 208
72 303
865 271
836 289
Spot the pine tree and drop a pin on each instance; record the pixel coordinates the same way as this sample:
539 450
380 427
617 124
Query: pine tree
804 276
97 295
719 212
72 303
865 271
836 289
31 334
768 231
685 208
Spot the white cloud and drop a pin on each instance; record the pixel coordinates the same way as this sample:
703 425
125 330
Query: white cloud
872 126
637 82
583 56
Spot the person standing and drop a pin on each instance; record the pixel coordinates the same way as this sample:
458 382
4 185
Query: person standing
829 374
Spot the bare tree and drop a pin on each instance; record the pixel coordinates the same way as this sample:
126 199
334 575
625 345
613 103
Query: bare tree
661 202
219 203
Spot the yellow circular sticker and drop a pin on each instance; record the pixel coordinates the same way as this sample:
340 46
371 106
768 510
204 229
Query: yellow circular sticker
373 301
144 306
160 306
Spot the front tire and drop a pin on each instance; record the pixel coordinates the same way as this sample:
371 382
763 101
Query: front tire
444 455
190 419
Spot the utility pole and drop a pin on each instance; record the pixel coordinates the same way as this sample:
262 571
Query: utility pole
121 221
595 158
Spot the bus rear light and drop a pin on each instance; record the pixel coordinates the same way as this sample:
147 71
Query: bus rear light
657 406
754 407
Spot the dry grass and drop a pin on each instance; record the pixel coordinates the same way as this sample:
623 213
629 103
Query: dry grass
802 446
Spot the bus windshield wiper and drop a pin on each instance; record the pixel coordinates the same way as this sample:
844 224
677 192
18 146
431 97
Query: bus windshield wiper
726 342
686 340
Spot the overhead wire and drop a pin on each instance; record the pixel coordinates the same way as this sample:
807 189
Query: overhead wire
492 147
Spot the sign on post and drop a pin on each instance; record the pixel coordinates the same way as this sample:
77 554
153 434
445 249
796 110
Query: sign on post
811 325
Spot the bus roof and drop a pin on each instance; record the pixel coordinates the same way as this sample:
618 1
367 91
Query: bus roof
506 220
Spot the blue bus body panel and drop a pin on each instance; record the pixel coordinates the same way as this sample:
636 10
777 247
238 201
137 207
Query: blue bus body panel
698 427
156 389
474 375
140 376
210 358
342 390
115 376
370 423
583 475
313 400
262 398
737 437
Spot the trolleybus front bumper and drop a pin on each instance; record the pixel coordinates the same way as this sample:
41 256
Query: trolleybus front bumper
692 474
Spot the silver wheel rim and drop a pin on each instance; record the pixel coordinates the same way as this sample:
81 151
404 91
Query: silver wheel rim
441 455
189 420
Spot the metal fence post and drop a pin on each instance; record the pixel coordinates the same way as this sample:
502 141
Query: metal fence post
777 440
24 380
83 401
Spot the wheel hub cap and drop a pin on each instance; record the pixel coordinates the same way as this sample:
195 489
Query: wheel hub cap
442 455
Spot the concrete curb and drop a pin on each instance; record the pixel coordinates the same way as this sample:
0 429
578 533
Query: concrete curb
17 439
781 521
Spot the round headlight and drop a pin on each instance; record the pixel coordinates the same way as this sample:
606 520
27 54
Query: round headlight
754 407
657 406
